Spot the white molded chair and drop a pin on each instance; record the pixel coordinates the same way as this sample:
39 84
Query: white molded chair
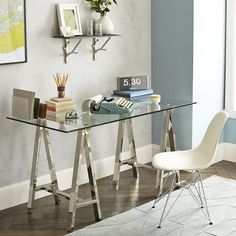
194 160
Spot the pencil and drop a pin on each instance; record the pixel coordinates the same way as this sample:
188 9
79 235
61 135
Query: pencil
60 80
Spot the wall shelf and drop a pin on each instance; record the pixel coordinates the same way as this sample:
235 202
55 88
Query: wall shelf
79 38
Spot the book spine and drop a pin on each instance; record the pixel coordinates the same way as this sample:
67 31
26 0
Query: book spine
130 94
141 93
36 108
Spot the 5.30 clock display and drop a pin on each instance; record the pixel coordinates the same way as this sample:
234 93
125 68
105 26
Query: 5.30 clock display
132 82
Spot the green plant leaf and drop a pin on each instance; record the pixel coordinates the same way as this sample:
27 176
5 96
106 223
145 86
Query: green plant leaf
101 6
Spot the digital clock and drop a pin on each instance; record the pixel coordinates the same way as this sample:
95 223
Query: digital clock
132 82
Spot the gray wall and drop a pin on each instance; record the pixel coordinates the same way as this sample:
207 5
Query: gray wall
172 62
229 131
128 54
188 63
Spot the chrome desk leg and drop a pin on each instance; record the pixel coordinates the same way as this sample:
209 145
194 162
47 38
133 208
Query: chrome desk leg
92 179
171 133
172 141
83 144
119 147
133 154
34 169
51 166
167 132
33 180
75 180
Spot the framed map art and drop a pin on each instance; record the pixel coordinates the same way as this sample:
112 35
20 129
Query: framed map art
12 32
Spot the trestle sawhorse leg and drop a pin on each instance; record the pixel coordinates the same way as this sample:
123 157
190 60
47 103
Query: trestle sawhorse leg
82 147
53 186
119 146
167 133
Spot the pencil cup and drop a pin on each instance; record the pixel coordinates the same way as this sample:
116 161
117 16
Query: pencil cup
42 110
61 91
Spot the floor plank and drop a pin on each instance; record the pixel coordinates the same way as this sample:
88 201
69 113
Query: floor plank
50 220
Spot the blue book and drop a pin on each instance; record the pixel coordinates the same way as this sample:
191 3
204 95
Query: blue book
133 93
140 98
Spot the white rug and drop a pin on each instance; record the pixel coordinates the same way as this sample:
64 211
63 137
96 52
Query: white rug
185 219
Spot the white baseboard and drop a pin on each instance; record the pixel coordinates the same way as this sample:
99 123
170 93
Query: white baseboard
230 152
16 194
219 156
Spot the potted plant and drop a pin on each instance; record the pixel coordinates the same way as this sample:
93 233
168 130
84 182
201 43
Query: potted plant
103 7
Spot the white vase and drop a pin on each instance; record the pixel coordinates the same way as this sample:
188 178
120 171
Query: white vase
107 25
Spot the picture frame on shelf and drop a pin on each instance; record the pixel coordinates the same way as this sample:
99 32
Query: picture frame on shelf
69 18
13 46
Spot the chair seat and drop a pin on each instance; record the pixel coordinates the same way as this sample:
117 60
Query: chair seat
179 160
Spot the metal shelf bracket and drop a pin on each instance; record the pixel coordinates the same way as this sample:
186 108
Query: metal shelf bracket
96 50
73 51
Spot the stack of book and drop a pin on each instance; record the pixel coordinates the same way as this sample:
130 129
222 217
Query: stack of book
134 94
58 107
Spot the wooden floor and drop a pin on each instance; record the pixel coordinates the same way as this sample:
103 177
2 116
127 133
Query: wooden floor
48 219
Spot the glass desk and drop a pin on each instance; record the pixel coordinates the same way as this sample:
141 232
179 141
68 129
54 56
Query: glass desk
82 126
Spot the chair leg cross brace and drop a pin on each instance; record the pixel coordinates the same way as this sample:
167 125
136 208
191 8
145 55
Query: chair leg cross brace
199 197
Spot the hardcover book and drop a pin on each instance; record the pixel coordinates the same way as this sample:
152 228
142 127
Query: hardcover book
18 103
60 104
20 107
133 93
56 99
63 108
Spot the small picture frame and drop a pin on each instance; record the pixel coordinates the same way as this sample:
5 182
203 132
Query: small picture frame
68 16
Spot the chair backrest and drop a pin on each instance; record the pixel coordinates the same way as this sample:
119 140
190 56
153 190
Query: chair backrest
207 147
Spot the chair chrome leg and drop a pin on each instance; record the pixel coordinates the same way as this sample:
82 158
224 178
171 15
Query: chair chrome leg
204 197
196 197
160 194
167 200
159 181
199 191
199 197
